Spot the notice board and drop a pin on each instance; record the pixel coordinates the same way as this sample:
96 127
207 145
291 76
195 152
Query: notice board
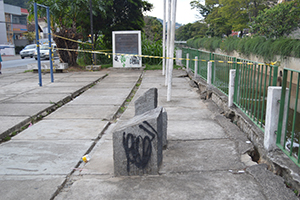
127 49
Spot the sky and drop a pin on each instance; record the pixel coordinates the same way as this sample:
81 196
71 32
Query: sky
184 14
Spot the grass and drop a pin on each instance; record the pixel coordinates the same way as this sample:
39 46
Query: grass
257 45
105 66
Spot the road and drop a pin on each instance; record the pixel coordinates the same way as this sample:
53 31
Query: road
15 64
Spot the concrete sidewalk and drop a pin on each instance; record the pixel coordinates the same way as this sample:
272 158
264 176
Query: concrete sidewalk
206 156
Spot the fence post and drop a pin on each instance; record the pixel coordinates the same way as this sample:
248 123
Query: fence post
272 115
231 87
187 62
196 67
179 57
213 74
275 74
209 72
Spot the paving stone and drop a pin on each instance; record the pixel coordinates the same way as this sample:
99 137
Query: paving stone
204 185
40 157
63 129
29 187
205 155
81 111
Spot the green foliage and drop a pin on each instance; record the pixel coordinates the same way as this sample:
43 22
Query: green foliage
30 36
223 16
151 48
258 45
210 44
189 30
123 15
108 16
153 28
229 44
7 138
278 21
20 3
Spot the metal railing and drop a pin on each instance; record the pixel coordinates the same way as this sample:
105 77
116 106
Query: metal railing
251 81
221 71
251 86
288 131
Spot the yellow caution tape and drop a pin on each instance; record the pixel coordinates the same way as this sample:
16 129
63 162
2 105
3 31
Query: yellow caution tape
159 57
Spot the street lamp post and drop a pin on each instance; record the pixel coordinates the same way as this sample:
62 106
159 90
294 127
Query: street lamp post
92 33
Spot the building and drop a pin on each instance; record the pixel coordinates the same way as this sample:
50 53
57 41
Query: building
13 25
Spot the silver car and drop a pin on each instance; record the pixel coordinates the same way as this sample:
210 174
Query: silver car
28 51
44 52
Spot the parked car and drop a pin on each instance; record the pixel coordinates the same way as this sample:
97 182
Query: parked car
44 51
28 51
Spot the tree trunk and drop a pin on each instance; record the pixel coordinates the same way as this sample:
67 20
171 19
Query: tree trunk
65 56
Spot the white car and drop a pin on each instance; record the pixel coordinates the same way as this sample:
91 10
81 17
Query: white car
44 51
28 51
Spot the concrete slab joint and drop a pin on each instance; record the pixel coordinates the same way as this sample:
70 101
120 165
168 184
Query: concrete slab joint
138 142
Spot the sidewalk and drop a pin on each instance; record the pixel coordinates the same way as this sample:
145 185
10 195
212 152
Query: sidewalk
205 158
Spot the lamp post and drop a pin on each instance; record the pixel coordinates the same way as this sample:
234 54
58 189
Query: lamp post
92 33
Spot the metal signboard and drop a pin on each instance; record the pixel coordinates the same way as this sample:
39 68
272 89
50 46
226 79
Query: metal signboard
127 49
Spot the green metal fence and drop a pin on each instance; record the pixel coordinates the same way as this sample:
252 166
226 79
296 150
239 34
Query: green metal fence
251 86
251 81
288 132
203 56
221 71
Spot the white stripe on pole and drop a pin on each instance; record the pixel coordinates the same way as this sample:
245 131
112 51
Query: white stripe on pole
171 61
164 40
168 41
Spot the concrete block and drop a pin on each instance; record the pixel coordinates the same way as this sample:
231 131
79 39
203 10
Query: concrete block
46 65
93 67
137 144
60 66
146 102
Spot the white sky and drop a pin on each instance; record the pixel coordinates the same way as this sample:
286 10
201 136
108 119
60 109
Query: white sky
184 14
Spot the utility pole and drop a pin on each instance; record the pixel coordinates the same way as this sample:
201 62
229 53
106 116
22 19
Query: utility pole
171 52
164 40
92 32
168 41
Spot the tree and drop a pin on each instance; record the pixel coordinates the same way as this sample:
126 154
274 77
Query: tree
223 16
153 28
64 18
124 15
191 30
30 36
278 21
20 3
71 21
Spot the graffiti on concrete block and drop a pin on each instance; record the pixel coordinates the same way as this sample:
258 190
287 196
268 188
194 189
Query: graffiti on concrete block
138 149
